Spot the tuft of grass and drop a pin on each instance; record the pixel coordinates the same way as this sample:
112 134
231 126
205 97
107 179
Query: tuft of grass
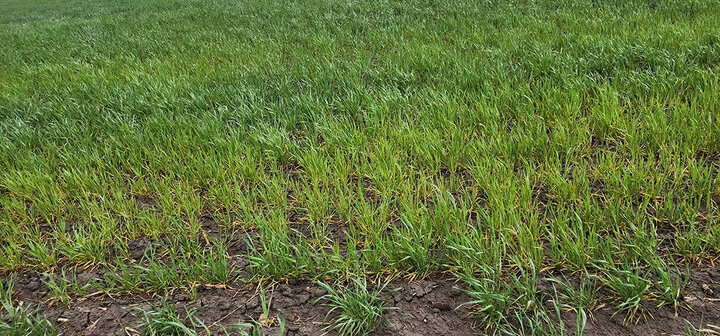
165 319
266 319
670 285
583 297
6 289
360 310
498 303
20 320
62 288
494 300
254 328
630 288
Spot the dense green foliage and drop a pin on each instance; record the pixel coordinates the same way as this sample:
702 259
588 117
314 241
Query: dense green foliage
490 139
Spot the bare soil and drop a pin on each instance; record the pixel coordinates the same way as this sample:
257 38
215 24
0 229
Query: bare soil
427 307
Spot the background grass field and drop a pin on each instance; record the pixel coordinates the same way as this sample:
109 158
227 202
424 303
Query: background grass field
490 141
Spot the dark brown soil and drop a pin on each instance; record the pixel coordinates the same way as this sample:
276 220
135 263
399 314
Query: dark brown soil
428 307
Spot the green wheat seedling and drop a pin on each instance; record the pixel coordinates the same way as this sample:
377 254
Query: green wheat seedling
580 310
494 301
165 319
266 305
87 246
582 297
20 320
63 287
360 310
630 288
670 284
692 242
257 327
6 289
474 251
573 241
411 249
178 271
542 321
701 329
254 328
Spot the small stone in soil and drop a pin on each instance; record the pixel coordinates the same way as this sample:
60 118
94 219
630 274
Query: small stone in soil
441 306
317 292
417 290
33 285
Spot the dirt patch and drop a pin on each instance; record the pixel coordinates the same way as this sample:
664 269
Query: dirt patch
429 307
426 307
